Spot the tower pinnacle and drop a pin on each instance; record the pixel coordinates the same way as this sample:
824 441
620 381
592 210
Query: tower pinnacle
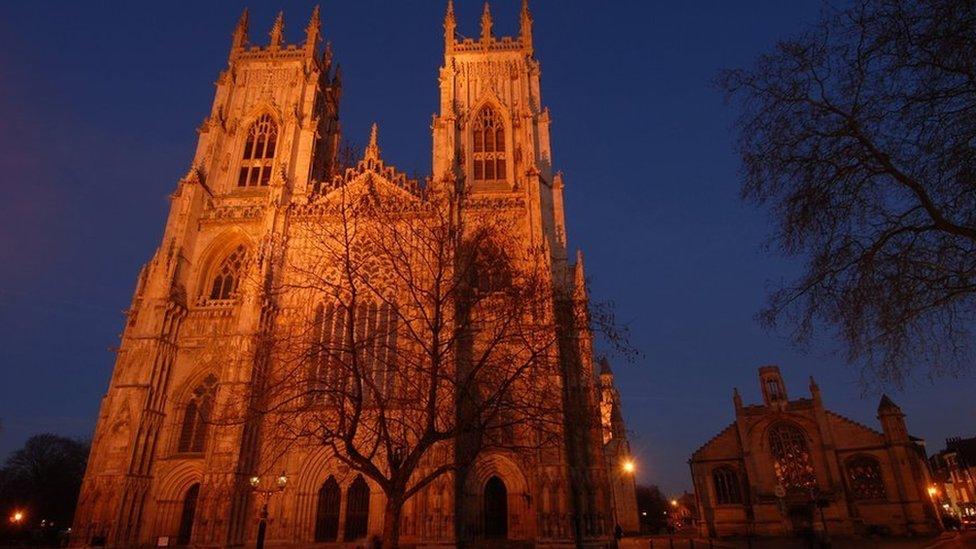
239 39
450 27
373 149
486 24
525 26
277 31
313 32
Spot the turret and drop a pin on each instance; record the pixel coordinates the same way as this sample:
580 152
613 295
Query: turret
486 24
525 27
277 31
772 386
892 421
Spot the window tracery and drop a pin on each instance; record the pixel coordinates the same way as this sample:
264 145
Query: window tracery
727 488
488 144
196 414
228 276
791 457
864 476
259 152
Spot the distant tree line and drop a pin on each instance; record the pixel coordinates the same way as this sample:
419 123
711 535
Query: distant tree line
41 482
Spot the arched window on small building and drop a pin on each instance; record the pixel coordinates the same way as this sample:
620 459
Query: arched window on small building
196 414
791 457
728 491
488 145
259 152
865 479
227 277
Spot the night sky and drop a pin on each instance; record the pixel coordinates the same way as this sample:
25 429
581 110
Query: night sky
98 106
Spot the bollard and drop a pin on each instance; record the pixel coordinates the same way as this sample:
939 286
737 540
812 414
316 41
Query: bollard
670 541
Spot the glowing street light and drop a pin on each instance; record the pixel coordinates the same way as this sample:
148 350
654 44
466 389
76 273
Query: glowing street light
933 491
674 503
17 517
629 466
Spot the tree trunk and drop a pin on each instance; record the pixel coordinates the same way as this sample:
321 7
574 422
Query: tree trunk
391 523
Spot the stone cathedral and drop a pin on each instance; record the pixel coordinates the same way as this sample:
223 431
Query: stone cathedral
159 474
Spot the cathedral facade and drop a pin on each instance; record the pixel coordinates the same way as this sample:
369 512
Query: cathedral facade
791 468
161 473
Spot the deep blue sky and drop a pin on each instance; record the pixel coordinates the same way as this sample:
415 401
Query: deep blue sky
98 106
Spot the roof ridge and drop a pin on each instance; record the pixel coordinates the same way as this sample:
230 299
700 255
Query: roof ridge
711 440
858 423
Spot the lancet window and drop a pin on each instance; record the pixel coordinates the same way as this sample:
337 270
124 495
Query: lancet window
488 144
196 414
372 339
259 152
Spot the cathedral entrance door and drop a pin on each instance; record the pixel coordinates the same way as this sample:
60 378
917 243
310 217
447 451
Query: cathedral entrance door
327 513
186 517
496 509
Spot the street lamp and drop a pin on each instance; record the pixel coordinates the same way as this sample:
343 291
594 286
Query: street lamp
265 494
17 517
629 466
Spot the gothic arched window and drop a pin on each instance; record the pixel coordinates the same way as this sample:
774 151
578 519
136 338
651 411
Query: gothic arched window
327 511
727 488
193 430
357 509
864 476
228 275
791 458
259 152
374 330
187 515
488 136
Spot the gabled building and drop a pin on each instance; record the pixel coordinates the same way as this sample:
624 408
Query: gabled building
954 469
791 467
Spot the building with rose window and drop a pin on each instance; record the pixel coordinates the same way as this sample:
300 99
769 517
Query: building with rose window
791 467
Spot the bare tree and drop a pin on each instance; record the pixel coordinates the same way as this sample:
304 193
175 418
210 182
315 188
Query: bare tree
858 135
417 330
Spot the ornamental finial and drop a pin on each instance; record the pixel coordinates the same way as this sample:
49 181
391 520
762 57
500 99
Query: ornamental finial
486 23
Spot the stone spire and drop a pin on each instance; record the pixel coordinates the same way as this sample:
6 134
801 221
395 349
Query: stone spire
486 24
373 149
450 27
277 31
239 39
525 26
313 32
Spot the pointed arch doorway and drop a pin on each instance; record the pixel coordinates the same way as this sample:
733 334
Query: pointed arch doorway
496 509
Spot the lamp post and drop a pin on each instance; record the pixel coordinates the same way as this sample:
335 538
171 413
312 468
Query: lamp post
627 467
265 494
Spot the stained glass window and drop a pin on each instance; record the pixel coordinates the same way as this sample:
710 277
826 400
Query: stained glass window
791 457
864 476
727 489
